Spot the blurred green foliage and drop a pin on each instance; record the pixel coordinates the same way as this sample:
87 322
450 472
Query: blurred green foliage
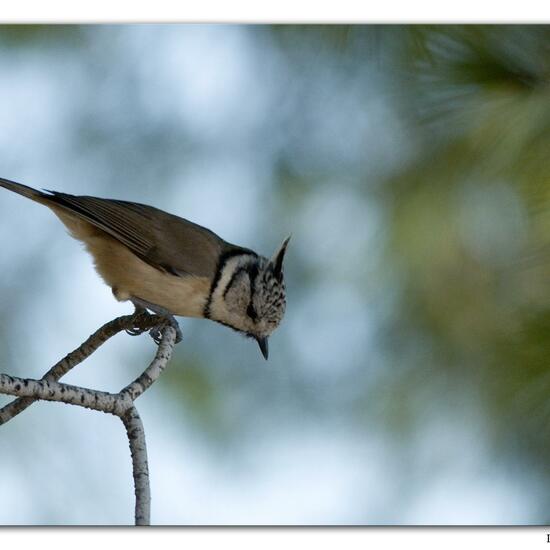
468 228
26 35
479 98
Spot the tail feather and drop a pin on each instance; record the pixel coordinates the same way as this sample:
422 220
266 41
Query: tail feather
21 189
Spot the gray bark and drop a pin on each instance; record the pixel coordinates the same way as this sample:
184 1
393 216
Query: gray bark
120 404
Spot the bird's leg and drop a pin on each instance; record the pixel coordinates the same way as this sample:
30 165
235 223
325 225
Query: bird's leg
159 310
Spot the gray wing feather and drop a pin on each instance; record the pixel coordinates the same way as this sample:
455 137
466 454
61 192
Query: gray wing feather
165 241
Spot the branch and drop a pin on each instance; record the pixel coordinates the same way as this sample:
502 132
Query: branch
155 368
138 450
141 321
119 404
64 393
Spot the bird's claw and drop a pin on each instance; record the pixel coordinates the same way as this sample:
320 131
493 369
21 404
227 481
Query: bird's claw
165 318
135 331
156 332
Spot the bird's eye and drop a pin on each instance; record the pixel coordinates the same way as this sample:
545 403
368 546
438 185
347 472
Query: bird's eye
251 312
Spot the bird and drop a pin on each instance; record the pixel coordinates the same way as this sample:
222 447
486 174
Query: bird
172 266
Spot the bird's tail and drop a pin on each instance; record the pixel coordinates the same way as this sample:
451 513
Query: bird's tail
24 190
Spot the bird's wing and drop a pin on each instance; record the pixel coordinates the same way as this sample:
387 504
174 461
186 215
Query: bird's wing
165 241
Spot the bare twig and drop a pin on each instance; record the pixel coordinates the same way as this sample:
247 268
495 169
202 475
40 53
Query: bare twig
120 404
142 321
138 449
64 393
154 370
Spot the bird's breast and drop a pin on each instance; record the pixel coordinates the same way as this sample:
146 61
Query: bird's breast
129 276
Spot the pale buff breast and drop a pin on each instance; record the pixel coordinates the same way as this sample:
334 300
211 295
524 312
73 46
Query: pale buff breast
130 276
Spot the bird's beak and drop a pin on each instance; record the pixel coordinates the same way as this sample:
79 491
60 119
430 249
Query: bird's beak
262 342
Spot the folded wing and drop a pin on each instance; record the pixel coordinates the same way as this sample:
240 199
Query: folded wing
166 242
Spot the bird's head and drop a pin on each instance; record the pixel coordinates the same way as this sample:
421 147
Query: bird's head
250 297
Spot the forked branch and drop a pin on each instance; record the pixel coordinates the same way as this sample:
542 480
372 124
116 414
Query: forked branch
119 404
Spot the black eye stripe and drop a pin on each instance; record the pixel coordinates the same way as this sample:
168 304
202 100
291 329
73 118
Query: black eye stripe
251 312
236 273
253 271
222 262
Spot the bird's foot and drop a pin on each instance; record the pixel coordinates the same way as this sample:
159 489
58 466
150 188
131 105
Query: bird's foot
167 319
136 331
156 332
